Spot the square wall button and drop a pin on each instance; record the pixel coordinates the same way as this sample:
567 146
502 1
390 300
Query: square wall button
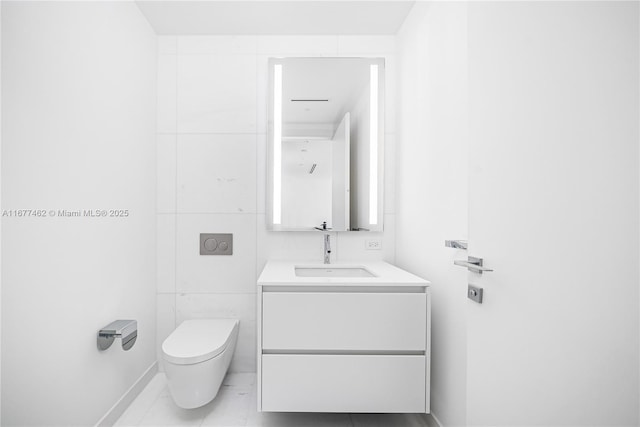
216 244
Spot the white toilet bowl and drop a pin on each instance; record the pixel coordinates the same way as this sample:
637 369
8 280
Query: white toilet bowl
196 357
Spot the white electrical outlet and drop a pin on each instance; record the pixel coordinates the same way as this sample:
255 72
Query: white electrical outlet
373 245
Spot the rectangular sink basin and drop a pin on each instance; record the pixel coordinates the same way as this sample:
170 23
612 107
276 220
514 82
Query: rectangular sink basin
333 271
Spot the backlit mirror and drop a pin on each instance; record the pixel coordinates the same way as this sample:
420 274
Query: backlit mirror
325 144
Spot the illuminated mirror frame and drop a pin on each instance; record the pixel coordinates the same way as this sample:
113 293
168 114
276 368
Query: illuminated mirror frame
374 124
376 146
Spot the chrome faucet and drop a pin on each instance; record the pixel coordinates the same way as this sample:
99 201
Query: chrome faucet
323 226
327 249
327 242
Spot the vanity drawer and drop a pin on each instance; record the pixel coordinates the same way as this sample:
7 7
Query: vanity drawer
343 321
343 383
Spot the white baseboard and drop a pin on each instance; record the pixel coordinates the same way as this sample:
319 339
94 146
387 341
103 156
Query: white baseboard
431 420
129 396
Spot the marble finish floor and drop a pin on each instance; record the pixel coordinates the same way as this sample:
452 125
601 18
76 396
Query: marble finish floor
235 406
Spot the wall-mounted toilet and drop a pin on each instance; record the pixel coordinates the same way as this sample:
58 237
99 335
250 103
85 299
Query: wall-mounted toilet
196 357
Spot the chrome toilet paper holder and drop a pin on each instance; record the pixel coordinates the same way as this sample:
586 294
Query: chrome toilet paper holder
127 330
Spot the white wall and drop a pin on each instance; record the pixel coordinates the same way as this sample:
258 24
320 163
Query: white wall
78 120
431 188
212 136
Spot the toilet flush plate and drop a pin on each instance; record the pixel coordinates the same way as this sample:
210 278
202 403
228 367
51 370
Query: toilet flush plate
216 244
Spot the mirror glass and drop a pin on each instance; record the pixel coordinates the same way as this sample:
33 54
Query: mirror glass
325 144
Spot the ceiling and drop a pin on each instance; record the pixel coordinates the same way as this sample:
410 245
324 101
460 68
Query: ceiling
294 17
341 81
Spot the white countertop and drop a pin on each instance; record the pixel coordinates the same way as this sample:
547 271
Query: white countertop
282 273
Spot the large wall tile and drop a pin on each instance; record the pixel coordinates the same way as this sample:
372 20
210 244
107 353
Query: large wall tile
166 173
389 173
293 245
216 273
167 93
216 93
366 45
390 93
261 173
236 306
166 253
167 45
351 245
262 79
298 45
166 321
216 173
217 45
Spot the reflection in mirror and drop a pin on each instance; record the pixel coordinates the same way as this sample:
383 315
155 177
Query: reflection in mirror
325 140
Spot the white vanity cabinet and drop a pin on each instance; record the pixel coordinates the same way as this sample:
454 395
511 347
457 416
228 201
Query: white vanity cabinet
343 344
